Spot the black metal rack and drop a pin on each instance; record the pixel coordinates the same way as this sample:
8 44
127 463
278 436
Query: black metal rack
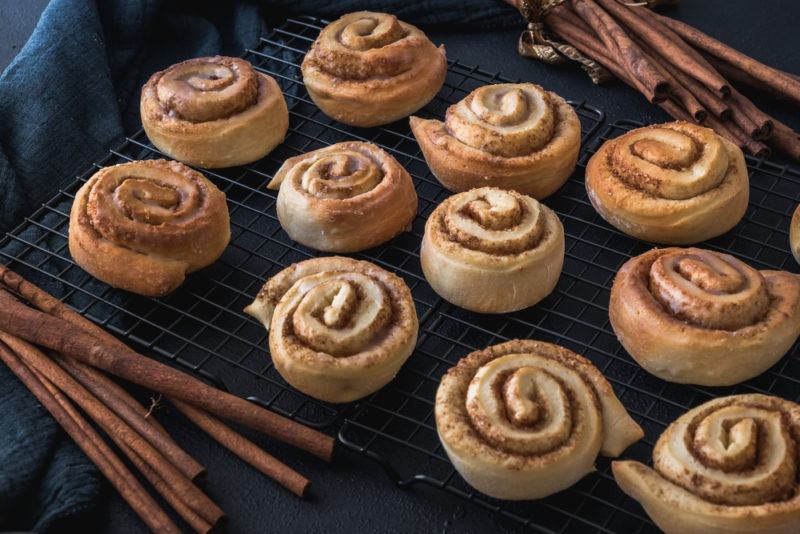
201 326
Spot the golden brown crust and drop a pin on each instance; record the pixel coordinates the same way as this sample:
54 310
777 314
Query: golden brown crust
214 112
729 465
339 329
511 136
794 234
524 419
492 251
142 226
344 198
675 183
368 69
702 317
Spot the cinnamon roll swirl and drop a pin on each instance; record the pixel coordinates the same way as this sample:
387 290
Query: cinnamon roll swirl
339 329
367 69
794 234
344 198
511 136
525 419
492 251
142 226
729 465
676 183
701 317
214 112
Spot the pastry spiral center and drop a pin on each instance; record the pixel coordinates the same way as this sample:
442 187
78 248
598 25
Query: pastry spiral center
728 444
709 289
506 120
528 404
143 210
500 108
202 90
495 221
146 201
735 454
339 175
666 149
340 313
374 31
367 46
674 162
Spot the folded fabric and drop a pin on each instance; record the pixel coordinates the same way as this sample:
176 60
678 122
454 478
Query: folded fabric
70 94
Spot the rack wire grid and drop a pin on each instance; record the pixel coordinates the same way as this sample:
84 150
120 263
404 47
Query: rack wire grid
202 328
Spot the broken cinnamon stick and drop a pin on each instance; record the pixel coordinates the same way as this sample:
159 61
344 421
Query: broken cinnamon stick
66 338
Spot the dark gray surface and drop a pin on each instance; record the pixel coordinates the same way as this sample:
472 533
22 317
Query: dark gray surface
352 494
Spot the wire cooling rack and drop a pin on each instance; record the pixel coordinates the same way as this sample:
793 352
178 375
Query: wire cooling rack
201 327
396 426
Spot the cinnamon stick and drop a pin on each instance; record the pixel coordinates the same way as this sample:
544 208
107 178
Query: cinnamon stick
66 338
168 448
772 78
563 24
785 140
760 121
90 442
245 449
707 98
677 91
734 133
726 130
192 518
675 110
47 303
123 396
667 44
117 429
625 51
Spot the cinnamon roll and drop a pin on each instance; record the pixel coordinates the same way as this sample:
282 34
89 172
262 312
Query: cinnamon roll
794 234
344 198
492 251
729 465
339 329
214 112
511 136
677 183
367 69
695 316
525 419
142 226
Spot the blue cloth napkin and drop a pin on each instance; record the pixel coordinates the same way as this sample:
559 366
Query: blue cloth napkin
70 94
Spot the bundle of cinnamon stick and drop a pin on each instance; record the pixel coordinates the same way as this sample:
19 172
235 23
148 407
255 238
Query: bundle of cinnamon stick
689 74
56 353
